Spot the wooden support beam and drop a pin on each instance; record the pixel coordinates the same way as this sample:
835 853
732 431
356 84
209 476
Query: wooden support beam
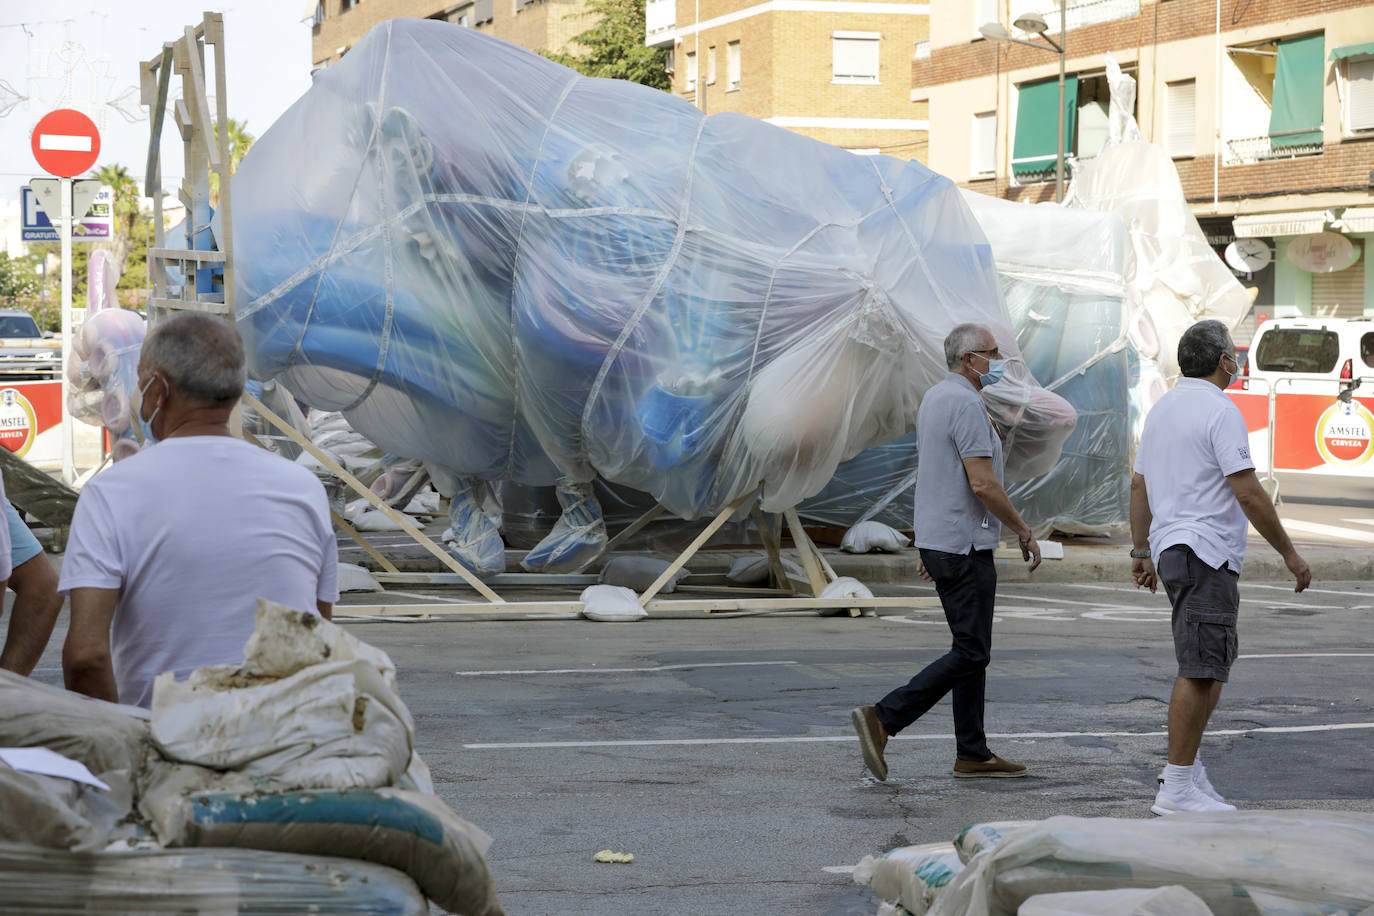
376 501
690 605
342 524
693 547
772 545
625 534
807 551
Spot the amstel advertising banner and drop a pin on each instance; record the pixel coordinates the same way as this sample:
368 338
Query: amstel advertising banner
1317 433
31 421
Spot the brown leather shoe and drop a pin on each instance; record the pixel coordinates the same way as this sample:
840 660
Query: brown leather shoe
996 768
872 739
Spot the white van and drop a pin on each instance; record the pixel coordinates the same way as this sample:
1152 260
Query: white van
1316 355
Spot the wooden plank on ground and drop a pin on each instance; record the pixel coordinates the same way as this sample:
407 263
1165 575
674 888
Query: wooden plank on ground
705 605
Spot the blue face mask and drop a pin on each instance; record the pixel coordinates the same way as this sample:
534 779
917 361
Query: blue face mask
996 369
146 426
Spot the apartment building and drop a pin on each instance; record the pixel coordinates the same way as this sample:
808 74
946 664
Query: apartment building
540 25
835 70
1266 106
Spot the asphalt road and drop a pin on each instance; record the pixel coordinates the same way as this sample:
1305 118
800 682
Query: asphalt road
718 750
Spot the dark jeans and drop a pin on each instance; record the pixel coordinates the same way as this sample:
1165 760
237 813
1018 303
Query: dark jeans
967 586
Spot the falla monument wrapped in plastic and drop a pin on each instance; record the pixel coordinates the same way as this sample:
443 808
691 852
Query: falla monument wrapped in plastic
514 272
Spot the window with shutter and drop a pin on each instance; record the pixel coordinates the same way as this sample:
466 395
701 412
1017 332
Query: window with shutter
1360 107
1180 118
691 71
711 66
855 57
984 143
732 63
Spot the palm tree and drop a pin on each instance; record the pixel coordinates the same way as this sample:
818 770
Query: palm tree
127 202
239 142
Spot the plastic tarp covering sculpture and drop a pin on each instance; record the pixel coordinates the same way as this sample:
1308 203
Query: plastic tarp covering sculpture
1061 273
514 272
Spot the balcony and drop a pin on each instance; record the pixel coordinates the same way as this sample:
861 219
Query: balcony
922 50
660 19
1261 149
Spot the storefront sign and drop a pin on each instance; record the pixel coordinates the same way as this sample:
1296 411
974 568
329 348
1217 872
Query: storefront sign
1345 434
31 421
1322 252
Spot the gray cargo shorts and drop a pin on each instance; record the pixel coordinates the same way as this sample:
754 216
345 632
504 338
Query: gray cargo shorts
1206 602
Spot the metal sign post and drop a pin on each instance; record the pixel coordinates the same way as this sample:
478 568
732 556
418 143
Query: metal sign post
65 143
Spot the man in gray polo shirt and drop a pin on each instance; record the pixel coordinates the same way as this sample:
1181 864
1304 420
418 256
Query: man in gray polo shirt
1193 489
959 504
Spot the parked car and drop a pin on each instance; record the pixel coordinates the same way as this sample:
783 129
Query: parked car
1242 381
1317 355
26 352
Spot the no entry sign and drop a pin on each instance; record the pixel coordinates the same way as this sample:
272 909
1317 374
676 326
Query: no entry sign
65 143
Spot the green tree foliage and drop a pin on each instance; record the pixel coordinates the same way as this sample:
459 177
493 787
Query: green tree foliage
614 47
127 210
240 140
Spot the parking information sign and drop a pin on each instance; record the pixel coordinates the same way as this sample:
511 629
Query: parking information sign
93 226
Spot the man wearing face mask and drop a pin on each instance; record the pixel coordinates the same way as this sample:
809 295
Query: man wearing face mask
959 504
171 548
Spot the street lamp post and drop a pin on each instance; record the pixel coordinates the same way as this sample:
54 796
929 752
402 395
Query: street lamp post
1036 25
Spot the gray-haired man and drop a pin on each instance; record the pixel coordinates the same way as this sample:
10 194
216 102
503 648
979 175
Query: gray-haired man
170 548
1193 489
959 502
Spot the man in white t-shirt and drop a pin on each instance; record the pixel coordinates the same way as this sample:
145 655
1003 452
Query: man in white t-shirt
171 548
1193 489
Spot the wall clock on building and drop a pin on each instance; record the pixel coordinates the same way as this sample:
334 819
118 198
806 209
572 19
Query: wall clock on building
1249 255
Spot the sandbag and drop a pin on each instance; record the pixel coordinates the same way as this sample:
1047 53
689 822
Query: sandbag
209 882
1307 861
870 536
638 573
415 833
611 604
54 813
287 715
975 838
1161 901
103 736
910 875
754 571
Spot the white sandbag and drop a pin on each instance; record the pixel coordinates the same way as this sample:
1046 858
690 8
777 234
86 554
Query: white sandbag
910 875
360 514
288 716
611 604
55 813
1309 860
870 536
354 578
639 573
1161 901
845 587
975 838
754 571
426 502
103 736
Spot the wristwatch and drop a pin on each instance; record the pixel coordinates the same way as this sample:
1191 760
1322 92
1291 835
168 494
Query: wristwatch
1140 554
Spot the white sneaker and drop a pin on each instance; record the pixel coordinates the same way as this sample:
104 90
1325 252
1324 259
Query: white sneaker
1200 780
1190 799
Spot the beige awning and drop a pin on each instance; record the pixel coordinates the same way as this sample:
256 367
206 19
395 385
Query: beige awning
1357 219
1264 225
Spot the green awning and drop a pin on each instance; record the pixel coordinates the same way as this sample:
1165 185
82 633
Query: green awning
1353 51
1296 118
1035 148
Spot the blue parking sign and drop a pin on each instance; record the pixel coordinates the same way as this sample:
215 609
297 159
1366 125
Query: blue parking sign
95 224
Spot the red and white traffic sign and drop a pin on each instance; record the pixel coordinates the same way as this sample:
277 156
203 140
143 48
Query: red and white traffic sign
65 142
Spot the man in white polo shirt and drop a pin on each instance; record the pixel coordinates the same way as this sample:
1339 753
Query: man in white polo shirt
171 548
1193 489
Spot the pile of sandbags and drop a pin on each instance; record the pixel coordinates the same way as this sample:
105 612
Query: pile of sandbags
305 750
1225 864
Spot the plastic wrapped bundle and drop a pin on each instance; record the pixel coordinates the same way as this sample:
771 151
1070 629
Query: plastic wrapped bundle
518 273
1061 273
103 372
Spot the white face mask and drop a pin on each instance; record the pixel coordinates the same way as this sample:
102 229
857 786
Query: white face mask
1235 376
146 426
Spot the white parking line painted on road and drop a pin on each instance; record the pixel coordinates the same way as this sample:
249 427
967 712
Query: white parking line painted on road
1359 521
1049 600
839 869
647 670
1311 655
1308 591
823 739
1331 531
1320 607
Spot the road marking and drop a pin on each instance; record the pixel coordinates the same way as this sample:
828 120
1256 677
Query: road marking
646 670
1319 591
1320 607
1333 531
1093 604
439 598
1311 655
838 869
824 739
1360 521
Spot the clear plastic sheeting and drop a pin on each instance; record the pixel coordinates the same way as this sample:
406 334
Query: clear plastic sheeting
102 370
1062 275
210 882
518 273
1173 275
1239 863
